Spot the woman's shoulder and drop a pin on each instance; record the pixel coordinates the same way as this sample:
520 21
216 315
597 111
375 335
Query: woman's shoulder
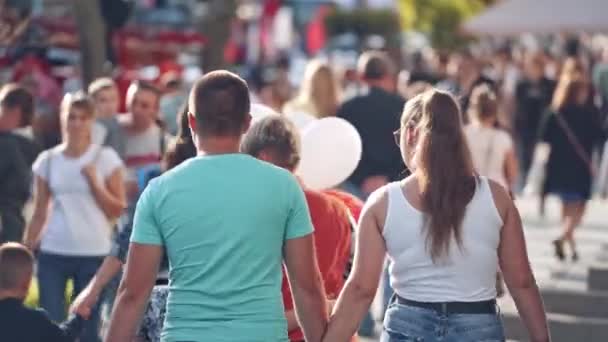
376 205
107 154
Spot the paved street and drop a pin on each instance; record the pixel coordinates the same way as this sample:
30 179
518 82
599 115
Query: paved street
550 273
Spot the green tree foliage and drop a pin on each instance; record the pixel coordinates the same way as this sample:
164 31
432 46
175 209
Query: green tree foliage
440 19
365 22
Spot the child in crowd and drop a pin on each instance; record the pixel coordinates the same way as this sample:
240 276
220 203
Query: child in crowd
18 322
107 130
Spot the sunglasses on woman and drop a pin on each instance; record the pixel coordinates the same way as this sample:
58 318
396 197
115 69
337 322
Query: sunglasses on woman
397 137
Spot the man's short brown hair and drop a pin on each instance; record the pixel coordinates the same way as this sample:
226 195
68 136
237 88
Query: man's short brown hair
275 135
14 96
220 102
138 85
16 264
375 65
101 84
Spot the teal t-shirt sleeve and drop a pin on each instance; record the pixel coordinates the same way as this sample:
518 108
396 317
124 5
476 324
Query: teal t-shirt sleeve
145 227
299 222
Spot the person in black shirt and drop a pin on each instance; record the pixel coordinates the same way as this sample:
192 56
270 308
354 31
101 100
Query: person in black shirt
532 95
19 323
572 130
375 115
18 153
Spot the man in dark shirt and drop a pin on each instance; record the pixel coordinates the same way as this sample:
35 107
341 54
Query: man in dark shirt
376 116
18 322
18 153
533 96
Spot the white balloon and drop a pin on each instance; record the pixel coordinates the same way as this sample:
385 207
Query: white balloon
331 150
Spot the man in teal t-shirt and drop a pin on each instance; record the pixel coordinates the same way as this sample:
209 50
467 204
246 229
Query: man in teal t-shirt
226 221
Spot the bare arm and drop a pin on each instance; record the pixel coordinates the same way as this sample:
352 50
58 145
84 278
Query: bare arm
511 169
86 300
42 199
360 289
515 266
292 320
109 196
142 267
306 286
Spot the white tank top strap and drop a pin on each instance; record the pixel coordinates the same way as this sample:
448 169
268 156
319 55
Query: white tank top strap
397 207
484 193
393 189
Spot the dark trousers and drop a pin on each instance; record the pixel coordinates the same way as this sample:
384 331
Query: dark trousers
54 271
11 227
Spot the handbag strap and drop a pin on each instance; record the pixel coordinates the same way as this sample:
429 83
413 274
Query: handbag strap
575 142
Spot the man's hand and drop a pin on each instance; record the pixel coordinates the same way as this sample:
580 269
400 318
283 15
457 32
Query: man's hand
84 303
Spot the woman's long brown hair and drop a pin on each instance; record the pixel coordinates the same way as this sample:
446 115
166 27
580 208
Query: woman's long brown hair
444 168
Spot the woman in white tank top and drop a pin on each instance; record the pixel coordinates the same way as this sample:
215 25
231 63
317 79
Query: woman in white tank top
491 148
447 232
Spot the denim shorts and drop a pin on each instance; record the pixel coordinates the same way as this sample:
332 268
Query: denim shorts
403 323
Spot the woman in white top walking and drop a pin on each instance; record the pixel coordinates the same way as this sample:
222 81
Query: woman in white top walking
491 148
84 184
446 231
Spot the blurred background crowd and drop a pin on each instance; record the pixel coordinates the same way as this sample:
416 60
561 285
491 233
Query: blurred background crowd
508 63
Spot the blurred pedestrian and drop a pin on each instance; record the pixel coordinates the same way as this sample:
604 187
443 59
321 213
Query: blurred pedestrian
105 96
84 184
173 98
532 98
20 323
464 73
446 231
491 148
572 130
375 115
18 153
146 138
319 94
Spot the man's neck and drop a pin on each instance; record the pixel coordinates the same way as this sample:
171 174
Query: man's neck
217 145
11 294
379 84
76 149
139 127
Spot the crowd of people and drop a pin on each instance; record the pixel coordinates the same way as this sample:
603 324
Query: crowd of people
220 240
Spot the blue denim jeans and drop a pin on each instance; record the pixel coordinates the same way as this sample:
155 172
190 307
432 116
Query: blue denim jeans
404 323
54 271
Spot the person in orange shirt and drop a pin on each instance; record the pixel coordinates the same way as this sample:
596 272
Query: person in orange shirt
274 139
